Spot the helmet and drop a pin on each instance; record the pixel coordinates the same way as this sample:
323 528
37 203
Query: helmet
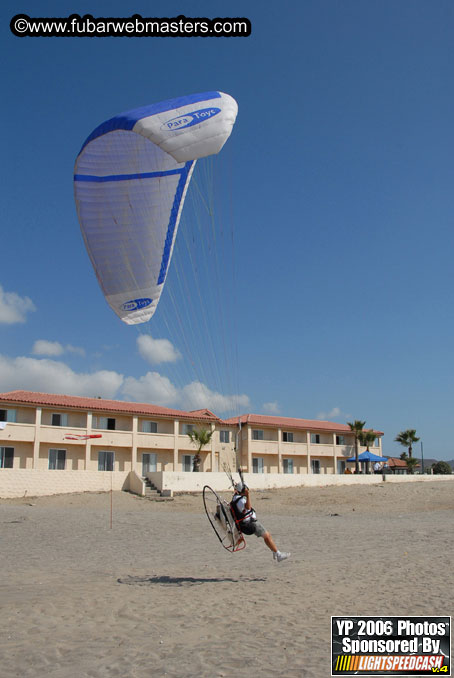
239 487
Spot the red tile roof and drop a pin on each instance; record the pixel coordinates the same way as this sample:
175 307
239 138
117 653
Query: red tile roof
289 423
101 405
146 409
393 462
204 411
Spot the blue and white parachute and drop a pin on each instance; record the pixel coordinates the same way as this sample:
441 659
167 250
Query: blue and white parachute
130 182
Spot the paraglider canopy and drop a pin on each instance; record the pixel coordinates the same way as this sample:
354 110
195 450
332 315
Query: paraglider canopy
130 182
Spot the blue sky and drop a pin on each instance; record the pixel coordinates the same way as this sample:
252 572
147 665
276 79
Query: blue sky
330 292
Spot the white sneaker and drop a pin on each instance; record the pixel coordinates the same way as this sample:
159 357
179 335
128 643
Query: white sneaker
281 556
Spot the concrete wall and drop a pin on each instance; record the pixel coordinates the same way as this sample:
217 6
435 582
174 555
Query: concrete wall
35 483
194 482
136 484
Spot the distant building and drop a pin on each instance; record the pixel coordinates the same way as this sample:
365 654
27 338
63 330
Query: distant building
132 436
399 467
271 444
37 431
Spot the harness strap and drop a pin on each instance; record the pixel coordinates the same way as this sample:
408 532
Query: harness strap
235 512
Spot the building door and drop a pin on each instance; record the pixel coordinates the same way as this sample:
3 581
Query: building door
106 461
57 460
340 466
288 465
6 457
315 463
187 462
149 462
257 465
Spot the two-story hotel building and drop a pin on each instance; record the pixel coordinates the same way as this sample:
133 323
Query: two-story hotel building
51 432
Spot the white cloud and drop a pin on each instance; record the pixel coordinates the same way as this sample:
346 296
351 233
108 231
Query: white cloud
44 347
156 351
335 413
14 308
54 348
151 388
196 395
154 388
51 376
271 408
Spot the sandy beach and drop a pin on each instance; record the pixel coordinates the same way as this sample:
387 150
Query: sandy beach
157 595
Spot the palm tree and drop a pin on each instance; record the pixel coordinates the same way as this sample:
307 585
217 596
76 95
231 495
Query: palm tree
200 437
407 438
357 426
366 438
410 461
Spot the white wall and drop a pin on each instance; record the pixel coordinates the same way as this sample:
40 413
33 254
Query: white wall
35 483
194 482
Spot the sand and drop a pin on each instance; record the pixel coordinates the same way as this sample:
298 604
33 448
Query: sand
157 595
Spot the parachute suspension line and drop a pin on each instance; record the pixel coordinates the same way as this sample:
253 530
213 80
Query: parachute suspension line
184 328
219 247
238 443
195 282
183 289
224 287
230 235
231 217
189 289
185 315
208 274
194 315
200 309
179 314
220 287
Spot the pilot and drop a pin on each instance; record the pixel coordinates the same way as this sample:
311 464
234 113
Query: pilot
247 522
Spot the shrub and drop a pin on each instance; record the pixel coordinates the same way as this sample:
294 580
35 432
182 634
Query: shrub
442 468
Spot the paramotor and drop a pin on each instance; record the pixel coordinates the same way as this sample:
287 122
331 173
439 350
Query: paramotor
222 521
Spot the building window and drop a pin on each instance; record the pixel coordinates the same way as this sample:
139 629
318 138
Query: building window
57 460
149 462
287 437
377 442
224 436
288 465
188 428
104 423
187 462
59 419
258 465
315 438
8 415
257 435
149 427
340 440
6 457
106 461
340 466
315 464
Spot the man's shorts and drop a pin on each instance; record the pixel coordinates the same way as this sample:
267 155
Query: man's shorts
254 527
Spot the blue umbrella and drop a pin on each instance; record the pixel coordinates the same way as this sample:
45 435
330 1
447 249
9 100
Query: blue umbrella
368 456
